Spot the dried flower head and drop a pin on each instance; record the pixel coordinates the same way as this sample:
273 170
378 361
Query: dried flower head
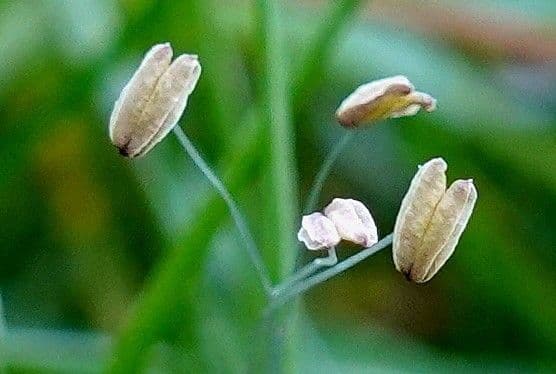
153 100
384 98
353 221
431 221
318 232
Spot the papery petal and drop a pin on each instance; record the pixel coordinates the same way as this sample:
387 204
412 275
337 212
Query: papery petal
318 232
353 221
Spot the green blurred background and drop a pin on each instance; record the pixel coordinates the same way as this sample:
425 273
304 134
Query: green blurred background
112 264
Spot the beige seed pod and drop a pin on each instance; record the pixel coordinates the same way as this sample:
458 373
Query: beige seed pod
445 228
318 232
353 221
153 100
384 98
431 221
425 191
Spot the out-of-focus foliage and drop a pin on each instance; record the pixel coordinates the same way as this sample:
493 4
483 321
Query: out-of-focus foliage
87 237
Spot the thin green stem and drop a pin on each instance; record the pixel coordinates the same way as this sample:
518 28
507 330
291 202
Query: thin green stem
324 171
310 282
239 220
306 271
168 298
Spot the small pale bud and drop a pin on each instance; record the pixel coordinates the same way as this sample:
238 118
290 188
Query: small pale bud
431 221
153 100
384 98
353 221
318 232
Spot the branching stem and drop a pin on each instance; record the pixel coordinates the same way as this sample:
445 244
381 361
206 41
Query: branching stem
306 271
310 282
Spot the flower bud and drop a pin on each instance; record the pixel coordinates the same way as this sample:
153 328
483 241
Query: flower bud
153 100
318 232
431 221
384 98
353 221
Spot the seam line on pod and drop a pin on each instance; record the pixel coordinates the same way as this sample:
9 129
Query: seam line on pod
447 238
149 101
427 227
401 223
148 142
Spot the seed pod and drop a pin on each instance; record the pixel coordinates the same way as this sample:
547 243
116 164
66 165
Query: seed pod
353 221
318 232
385 98
445 228
431 221
153 100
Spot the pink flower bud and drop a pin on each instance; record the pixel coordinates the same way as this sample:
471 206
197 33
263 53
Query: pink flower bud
353 221
318 232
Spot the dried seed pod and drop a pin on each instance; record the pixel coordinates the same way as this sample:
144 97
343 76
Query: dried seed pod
445 228
384 98
153 100
425 191
431 221
318 232
353 221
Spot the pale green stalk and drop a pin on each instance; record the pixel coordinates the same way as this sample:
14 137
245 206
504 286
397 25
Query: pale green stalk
307 270
324 171
239 220
310 282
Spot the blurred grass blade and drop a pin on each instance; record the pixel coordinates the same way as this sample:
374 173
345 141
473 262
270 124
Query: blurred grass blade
275 112
280 215
3 336
37 350
310 70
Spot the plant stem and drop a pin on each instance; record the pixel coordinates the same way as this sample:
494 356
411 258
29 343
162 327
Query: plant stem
324 171
306 271
240 222
310 282
168 299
